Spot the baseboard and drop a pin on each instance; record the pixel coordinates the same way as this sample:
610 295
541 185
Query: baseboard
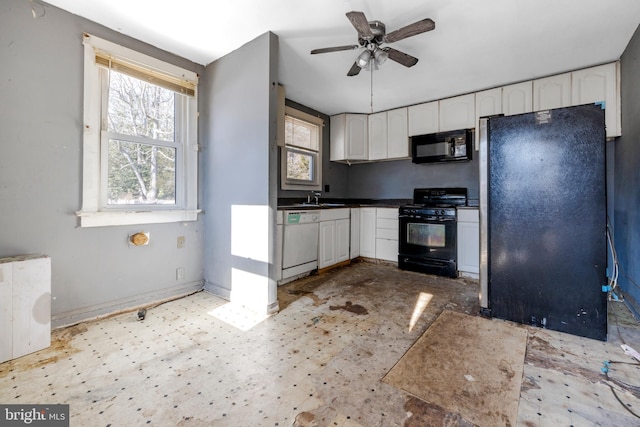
632 304
331 267
225 294
110 308
218 291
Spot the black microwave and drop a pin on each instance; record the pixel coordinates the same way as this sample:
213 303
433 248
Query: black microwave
450 146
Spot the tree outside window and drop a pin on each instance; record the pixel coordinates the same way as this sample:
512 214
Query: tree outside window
301 158
142 146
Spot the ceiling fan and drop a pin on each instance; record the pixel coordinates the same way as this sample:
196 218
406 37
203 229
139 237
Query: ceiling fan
371 35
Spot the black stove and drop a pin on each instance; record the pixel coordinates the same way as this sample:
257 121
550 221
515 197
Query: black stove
428 231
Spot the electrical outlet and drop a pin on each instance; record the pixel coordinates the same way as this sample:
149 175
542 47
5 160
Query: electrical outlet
180 273
181 241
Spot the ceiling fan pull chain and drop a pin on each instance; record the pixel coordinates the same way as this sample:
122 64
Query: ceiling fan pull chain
371 67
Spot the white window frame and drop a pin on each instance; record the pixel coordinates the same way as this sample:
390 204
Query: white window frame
296 185
94 212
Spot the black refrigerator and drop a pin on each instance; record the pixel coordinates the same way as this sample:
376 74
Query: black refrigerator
543 219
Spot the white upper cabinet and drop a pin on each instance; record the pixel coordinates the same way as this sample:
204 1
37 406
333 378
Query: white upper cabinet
598 84
424 118
552 92
488 103
457 113
517 98
349 140
385 135
397 134
388 138
378 136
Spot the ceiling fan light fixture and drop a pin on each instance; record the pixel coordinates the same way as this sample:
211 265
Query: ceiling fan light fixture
363 59
381 56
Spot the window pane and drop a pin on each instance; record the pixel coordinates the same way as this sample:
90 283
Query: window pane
299 166
140 108
140 174
301 134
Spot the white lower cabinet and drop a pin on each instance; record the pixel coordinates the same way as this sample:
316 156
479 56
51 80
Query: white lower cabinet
334 237
25 305
355 233
468 241
342 240
387 234
368 232
379 233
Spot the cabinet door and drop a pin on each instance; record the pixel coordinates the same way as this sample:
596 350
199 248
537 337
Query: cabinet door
457 113
469 247
397 134
356 141
327 244
378 136
517 98
368 232
599 84
342 240
552 92
387 249
423 118
355 233
488 103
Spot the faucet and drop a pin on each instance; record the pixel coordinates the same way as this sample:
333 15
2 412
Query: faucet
315 195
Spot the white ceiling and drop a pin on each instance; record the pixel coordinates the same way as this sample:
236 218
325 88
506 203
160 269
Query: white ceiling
476 44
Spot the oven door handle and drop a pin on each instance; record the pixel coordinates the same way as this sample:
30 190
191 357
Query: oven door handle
422 219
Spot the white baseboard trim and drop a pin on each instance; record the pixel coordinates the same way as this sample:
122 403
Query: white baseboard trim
218 291
225 294
123 305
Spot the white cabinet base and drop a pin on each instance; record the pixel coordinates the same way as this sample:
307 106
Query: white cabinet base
468 243
25 305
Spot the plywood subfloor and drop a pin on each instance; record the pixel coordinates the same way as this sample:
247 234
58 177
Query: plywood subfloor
467 365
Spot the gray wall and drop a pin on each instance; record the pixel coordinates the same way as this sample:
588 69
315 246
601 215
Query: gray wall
94 271
239 139
627 176
396 179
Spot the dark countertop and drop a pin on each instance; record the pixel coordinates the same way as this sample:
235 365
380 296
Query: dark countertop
297 204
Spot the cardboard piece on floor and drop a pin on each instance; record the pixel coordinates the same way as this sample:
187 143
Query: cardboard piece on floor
467 365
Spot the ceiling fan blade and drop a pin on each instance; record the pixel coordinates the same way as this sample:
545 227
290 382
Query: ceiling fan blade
355 70
410 30
401 57
334 49
360 23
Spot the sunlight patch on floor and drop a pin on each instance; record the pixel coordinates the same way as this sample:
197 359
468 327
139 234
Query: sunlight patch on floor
237 316
421 304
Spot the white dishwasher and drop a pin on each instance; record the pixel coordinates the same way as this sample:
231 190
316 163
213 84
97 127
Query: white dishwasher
300 242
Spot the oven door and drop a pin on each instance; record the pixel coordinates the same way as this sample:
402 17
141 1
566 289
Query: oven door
428 245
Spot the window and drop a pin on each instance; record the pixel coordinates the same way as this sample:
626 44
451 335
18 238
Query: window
140 143
301 158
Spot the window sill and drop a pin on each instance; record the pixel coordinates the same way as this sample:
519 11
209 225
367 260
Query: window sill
102 219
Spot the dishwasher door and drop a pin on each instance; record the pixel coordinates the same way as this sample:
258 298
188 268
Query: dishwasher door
300 244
